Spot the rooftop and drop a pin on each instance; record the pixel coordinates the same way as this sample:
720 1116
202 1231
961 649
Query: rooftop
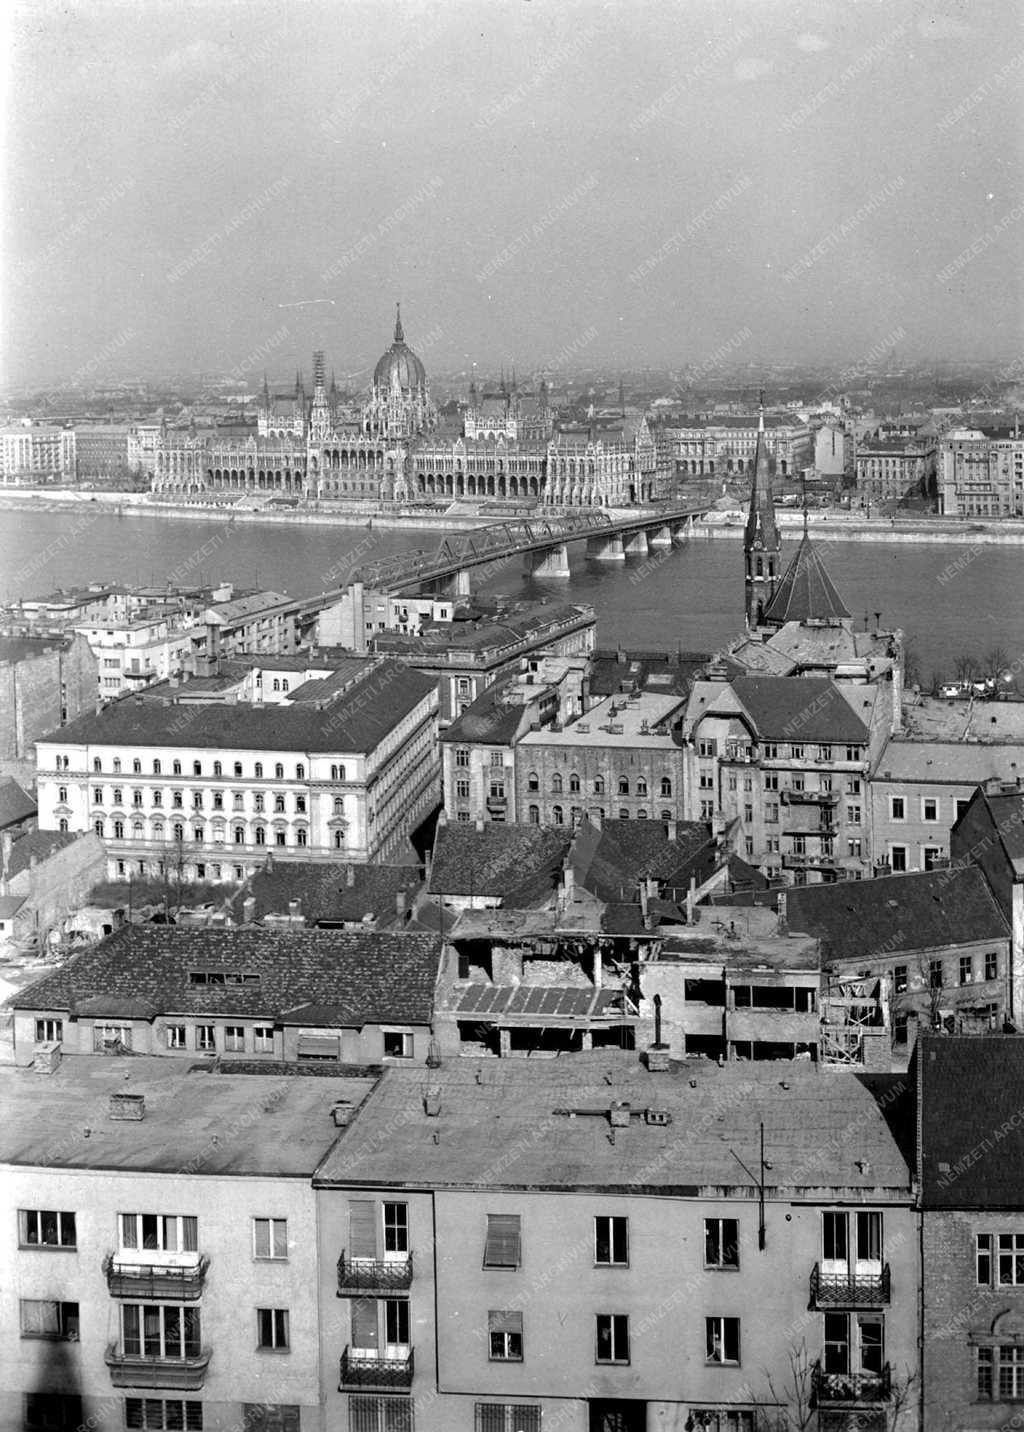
661 671
806 591
40 845
790 708
959 762
518 864
932 910
971 1140
628 722
243 608
483 635
143 971
16 804
510 1124
334 892
194 1122
935 718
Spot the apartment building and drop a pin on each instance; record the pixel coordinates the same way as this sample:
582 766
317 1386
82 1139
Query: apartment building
132 654
294 995
159 1246
208 790
616 1249
888 470
981 472
35 453
45 682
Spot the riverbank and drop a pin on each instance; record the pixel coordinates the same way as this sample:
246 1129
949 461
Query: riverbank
460 517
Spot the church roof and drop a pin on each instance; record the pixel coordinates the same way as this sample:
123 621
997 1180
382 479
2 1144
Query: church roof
399 363
806 592
761 529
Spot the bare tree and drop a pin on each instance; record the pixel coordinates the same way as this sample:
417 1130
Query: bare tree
935 682
911 664
965 666
996 661
789 1406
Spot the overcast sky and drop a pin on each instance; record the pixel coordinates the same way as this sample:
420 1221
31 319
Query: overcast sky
537 180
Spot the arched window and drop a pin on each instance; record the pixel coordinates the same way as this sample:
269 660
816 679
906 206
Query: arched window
239 834
178 833
558 815
339 839
136 830
97 764
261 835
277 684
118 795
300 835
279 771
258 802
137 767
218 769
238 768
599 785
197 834
623 814
117 765
119 830
284 684
175 768
62 794
623 786
257 770
666 786
300 772
158 830
641 786
534 815
62 825
97 826
279 805
339 805
533 781
157 768
574 782
666 815
641 815
337 773
575 815
556 783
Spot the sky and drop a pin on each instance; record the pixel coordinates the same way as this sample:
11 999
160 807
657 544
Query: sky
225 186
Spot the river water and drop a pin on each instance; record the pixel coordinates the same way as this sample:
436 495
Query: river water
948 599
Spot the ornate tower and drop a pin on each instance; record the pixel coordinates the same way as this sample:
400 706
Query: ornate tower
319 414
761 543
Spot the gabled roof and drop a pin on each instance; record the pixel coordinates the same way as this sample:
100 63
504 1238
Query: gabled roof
799 708
518 864
16 804
366 977
41 844
333 892
932 910
610 860
970 1133
806 592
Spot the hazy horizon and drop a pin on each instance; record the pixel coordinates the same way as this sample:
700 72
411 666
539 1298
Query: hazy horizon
227 186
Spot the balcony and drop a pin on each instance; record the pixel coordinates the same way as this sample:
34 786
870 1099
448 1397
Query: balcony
822 798
850 1290
184 1374
365 1277
832 1389
155 1280
791 860
497 802
360 1373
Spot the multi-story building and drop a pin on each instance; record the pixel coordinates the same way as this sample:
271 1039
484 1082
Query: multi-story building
101 453
44 683
990 834
619 1250
981 472
132 654
721 444
888 470
159 1246
264 622
143 441
969 1148
33 453
208 790
361 612
267 995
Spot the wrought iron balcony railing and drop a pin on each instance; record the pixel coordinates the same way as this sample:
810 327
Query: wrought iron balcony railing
358 1277
850 1289
823 798
185 1374
375 1374
832 1388
155 1280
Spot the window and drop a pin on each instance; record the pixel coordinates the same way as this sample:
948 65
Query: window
462 788
721 1243
798 753
49 1031
898 858
164 1414
62 794
612 1338
623 786
533 815
175 768
556 784
503 1248
557 815
158 798
176 1036
53 1412
218 769
611 1240
929 808
505 1336
258 802
666 786
705 781
574 783
824 753
897 808
238 768
396 1228
44 1318
272 1329
462 759
961 807
991 966
376 1414
119 830
300 805
157 768
160 1330
854 753
723 1419
107 1038
337 773
46 1228
934 974
234 1038
263 1039
279 771
966 969
899 979
498 1417
205 1039
261 835
257 771
97 764
771 781
599 785
797 783
983 1258
165 1232
707 810
722 1340
853 814
397 1044
705 748
117 765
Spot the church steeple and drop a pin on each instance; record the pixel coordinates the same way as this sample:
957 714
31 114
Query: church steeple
761 542
399 335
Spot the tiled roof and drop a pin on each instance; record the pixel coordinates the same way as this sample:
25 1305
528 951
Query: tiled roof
366 978
799 708
357 721
806 592
960 762
507 1123
15 803
324 891
646 670
932 910
490 719
610 861
39 845
1008 817
971 1137
519 864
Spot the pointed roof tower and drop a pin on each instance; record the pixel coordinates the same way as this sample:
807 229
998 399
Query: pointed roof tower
806 592
266 391
399 334
762 529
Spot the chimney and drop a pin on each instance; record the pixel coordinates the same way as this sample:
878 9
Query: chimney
400 902
295 910
479 824
618 1114
127 1106
691 899
248 910
6 842
46 1059
672 830
782 912
350 876
644 911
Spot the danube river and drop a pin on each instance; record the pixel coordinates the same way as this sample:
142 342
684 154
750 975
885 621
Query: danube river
948 599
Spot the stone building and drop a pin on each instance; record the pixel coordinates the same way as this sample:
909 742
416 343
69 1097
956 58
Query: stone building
44 683
890 470
981 472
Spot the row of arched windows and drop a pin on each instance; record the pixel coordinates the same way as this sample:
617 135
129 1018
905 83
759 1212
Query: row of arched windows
576 814
640 787
197 768
179 832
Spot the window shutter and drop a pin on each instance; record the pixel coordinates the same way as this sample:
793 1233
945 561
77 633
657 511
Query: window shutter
129 1231
190 1233
364 1324
362 1229
503 1247
505 1322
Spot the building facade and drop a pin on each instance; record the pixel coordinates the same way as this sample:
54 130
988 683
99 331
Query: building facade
981 472
888 471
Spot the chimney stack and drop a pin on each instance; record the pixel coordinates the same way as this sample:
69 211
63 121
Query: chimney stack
350 876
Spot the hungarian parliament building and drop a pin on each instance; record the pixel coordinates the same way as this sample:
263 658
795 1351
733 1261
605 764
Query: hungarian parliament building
396 447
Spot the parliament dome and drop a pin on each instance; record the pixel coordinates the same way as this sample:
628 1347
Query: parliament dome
399 367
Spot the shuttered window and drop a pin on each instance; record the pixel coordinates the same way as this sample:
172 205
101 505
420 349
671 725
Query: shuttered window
503 1248
362 1229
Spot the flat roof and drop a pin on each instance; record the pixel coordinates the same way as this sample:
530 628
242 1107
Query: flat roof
953 719
511 1124
258 1125
962 763
637 714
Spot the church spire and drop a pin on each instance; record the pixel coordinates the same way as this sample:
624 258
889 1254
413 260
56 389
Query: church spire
761 541
399 335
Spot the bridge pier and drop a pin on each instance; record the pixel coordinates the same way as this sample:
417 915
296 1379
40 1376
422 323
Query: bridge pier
461 585
550 562
682 530
660 537
606 549
635 543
